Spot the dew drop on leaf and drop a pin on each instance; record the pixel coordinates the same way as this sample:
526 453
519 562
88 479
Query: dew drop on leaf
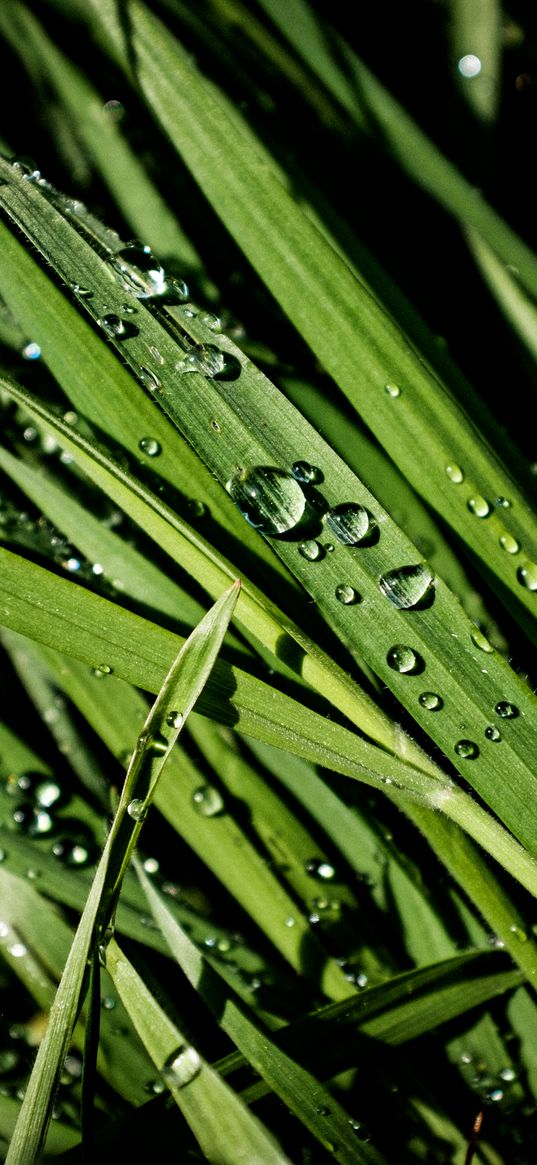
431 700
467 749
31 351
136 809
320 868
113 326
407 586
346 594
150 446
149 379
213 362
480 641
139 271
493 733
305 473
509 544
392 390
208 801
270 499
174 719
404 659
506 710
350 523
527 576
182 1067
479 506
454 473
311 550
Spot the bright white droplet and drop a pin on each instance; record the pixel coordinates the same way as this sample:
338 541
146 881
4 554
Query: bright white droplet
469 65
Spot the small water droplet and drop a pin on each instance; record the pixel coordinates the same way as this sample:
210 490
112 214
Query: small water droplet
320 868
196 508
479 506
114 110
431 700
113 326
305 473
208 801
469 66
518 933
454 473
509 544
350 523
47 793
174 719
211 321
404 659
81 292
407 586
151 865
346 594
108 1003
312 551
290 922
103 669
137 809
150 446
506 710
480 641
31 351
270 499
527 576
467 749
139 271
507 1074
211 361
149 379
26 168
393 390
493 733
182 1067
17 950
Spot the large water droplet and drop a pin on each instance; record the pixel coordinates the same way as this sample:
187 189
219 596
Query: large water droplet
404 659
150 446
431 700
182 1067
312 551
174 719
408 586
305 473
270 499
469 66
137 809
509 544
350 523
506 710
527 576
479 506
208 801
454 473
346 594
139 271
467 749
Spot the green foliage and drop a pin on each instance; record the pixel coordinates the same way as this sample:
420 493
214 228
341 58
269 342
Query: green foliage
340 851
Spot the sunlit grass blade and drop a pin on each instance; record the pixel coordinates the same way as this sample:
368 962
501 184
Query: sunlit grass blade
306 1097
226 1130
502 280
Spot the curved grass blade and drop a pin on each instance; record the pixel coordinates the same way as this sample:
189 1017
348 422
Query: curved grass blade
181 689
226 1130
301 1092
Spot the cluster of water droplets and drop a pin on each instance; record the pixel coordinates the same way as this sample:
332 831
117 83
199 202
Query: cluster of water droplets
482 508
36 805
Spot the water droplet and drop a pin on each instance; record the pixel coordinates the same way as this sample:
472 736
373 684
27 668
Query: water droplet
81 292
527 576
31 351
150 446
180 291
149 379
518 933
174 719
182 1067
507 1074
350 523
469 66
306 473
211 321
137 809
408 586
210 361
270 499
506 710
454 473
103 669
113 326
404 659
17 950
467 749
108 1003
431 700
479 506
480 641
493 733
290 922
312 551
151 865
26 168
346 594
139 271
208 801
196 508
320 868
509 544
393 390
321 1110
47 794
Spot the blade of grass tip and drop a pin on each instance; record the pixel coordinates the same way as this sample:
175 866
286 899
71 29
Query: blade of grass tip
318 1110
228 1133
178 694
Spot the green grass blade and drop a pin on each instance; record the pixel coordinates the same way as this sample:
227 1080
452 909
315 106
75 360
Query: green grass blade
226 1130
